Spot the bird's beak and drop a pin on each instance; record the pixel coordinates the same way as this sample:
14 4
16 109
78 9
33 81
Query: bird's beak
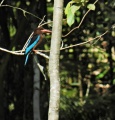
46 31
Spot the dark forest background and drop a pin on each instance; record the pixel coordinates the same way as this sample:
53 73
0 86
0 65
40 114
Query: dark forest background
87 72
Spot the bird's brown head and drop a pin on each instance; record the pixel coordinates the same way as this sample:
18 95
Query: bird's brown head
41 30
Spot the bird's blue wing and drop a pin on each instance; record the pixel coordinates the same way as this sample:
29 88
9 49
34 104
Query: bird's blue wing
29 47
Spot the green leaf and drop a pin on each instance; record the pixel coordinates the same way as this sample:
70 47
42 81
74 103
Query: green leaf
102 74
67 8
71 14
13 48
78 19
81 1
70 18
74 8
77 1
91 6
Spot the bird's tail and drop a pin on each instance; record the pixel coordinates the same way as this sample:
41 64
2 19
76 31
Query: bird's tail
27 56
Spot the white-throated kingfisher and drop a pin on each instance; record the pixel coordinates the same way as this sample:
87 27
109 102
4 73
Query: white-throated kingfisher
35 41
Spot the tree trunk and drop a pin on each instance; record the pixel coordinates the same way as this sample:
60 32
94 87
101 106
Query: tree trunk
36 94
54 61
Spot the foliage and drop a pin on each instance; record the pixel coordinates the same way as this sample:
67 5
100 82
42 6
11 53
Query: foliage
72 8
94 108
90 66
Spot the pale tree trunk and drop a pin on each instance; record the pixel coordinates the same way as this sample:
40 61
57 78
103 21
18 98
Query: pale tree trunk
54 61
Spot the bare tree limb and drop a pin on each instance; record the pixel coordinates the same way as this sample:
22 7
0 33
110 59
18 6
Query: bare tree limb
11 52
24 11
71 46
42 54
20 53
1 2
98 37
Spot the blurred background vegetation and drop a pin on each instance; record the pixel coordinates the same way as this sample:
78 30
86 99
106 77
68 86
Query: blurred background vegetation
87 72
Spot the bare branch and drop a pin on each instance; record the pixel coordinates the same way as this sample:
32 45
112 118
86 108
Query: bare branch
24 11
41 68
42 54
42 21
88 88
97 37
20 53
46 23
11 52
1 2
62 44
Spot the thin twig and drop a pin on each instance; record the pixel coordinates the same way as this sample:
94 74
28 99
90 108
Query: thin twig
88 88
49 22
98 37
41 68
20 53
11 52
1 2
24 11
46 23
80 22
61 44
42 54
42 21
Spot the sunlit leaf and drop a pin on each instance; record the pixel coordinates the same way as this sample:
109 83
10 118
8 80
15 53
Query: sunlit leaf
81 1
91 6
70 18
77 1
71 14
102 74
13 48
67 8
74 8
78 19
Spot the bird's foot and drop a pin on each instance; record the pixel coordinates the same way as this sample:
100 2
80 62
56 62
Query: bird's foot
35 51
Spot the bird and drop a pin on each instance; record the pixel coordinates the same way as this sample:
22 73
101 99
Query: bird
35 41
